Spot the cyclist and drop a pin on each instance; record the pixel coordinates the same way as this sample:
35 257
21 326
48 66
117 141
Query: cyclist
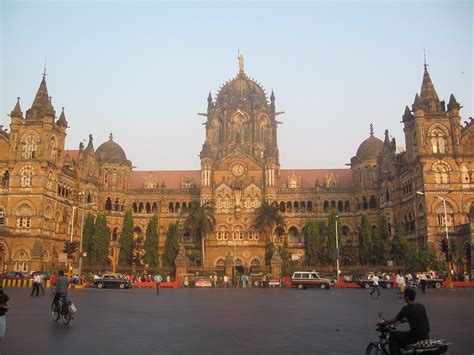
415 313
61 286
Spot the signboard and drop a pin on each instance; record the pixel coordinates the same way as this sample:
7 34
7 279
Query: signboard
62 257
296 256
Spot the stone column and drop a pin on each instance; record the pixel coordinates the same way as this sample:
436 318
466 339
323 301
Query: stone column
229 267
275 263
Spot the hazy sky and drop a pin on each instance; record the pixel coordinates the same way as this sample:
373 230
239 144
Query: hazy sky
143 70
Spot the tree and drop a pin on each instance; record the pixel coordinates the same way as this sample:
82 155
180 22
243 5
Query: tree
268 217
332 236
365 241
138 252
100 241
381 242
151 243
312 241
399 247
126 240
200 221
419 260
87 233
171 244
269 250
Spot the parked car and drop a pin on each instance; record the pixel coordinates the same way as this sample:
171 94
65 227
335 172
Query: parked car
15 275
203 282
112 281
434 282
306 279
367 282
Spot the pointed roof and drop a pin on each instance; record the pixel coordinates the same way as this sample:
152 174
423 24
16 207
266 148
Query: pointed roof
428 91
17 110
62 119
42 102
407 115
453 104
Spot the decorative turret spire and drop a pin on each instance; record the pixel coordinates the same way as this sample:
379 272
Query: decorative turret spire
371 129
407 115
428 91
272 102
42 103
17 110
416 102
90 145
209 100
453 104
62 119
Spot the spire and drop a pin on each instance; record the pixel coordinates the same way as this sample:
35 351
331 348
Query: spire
90 145
371 129
453 104
111 137
416 102
428 91
17 110
407 115
272 102
62 119
42 103
387 139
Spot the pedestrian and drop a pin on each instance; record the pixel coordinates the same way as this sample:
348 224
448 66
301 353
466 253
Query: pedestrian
423 281
3 310
375 285
215 280
41 283
400 280
54 277
226 281
36 282
168 278
158 280
245 280
466 277
453 275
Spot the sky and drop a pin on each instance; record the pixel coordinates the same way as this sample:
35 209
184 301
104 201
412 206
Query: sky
143 69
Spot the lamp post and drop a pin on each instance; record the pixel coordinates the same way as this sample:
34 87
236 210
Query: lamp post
69 263
337 253
81 193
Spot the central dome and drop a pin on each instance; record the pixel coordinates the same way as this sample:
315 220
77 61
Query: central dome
371 148
111 152
241 88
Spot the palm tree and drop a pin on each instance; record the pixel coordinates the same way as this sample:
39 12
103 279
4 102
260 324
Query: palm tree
268 216
200 220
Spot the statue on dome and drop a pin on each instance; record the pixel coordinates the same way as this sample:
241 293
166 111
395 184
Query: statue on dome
240 57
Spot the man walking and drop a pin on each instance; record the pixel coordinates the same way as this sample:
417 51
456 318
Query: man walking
375 284
423 281
158 280
400 280
36 284
3 310
41 283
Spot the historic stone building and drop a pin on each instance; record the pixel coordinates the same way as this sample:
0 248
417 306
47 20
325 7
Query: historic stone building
45 187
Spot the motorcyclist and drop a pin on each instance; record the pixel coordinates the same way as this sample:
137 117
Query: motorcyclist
415 314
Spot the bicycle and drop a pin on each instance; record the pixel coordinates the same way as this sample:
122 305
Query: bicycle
427 346
64 310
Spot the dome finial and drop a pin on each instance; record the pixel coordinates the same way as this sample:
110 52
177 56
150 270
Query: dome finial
240 57
111 136
424 55
371 129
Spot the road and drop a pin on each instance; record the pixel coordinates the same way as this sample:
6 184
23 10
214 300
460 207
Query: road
224 321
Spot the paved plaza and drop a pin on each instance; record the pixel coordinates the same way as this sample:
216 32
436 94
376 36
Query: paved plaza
224 321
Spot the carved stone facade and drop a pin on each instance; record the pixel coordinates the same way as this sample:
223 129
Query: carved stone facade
42 184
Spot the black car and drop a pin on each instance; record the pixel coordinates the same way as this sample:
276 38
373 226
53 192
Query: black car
112 281
367 282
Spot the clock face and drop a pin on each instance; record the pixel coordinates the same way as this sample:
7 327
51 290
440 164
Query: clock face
238 170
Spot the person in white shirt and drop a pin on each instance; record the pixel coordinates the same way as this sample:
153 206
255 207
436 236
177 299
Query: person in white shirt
375 284
423 281
400 280
36 283
41 283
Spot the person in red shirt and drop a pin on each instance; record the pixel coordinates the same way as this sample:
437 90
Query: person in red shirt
54 277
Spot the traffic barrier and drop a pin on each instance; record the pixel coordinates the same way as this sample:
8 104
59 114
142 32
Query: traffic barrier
22 283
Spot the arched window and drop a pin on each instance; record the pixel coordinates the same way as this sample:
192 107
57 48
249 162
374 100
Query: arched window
140 207
279 234
238 233
346 232
326 206
302 206
21 259
148 207
465 178
293 235
108 204
438 141
117 204
53 150
365 205
6 179
282 207
441 172
49 183
134 207
449 215
24 214
309 206
220 262
115 234
26 178
29 147
170 207
340 206
2 216
373 202
154 207
347 206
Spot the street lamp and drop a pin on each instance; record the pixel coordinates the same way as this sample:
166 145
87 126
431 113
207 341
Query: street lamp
83 194
337 253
